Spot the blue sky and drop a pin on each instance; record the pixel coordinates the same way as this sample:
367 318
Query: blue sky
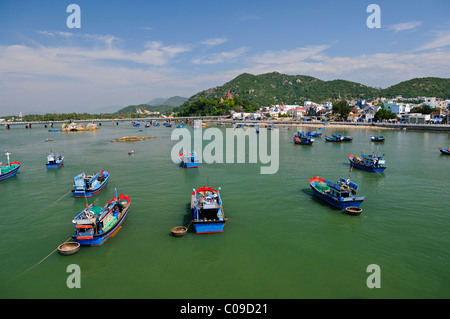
129 52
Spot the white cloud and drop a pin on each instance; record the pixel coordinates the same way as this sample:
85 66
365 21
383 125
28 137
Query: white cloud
214 41
221 57
404 26
441 40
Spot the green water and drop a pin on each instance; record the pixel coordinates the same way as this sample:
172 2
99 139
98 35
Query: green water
280 241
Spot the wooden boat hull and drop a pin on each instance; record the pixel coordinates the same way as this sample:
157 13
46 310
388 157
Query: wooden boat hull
9 174
97 240
364 167
342 203
57 164
189 164
303 141
91 192
201 227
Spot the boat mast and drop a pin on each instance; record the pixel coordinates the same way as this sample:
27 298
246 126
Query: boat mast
7 156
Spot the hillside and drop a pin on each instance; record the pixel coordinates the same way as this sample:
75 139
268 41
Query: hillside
156 105
275 88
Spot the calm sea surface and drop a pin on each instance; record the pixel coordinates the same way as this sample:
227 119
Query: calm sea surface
279 242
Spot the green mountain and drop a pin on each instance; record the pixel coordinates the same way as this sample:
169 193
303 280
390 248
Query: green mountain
156 105
275 88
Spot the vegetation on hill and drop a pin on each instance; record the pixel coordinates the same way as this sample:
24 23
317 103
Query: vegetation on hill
214 107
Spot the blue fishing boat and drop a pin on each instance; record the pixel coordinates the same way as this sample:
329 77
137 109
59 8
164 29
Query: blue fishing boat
95 224
376 138
136 124
304 140
334 138
10 169
445 151
341 194
86 185
54 130
188 159
313 134
344 138
370 163
54 161
207 211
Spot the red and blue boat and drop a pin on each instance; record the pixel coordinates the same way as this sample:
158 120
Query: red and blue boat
54 161
445 151
207 211
87 185
340 195
10 169
94 225
369 163
188 159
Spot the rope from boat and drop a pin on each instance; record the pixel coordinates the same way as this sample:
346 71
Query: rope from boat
60 198
27 270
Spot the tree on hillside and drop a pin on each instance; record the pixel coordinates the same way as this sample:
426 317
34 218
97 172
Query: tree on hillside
383 114
341 109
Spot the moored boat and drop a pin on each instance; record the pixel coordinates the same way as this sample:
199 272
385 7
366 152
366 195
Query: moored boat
304 140
207 211
87 185
344 138
444 150
54 161
95 224
341 194
376 138
370 163
188 159
313 134
334 138
10 169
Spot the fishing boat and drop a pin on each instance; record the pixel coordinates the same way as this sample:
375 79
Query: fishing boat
444 150
344 138
88 185
95 224
10 169
370 163
188 159
54 161
341 194
207 211
376 138
305 140
334 138
136 124
313 134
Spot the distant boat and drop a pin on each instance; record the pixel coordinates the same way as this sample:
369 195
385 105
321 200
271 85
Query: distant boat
341 194
136 124
377 138
444 150
344 138
167 124
10 169
54 161
54 130
257 129
86 186
147 124
207 211
334 138
305 140
370 163
313 134
95 224
188 159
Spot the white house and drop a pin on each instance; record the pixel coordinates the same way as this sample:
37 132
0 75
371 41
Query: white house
400 108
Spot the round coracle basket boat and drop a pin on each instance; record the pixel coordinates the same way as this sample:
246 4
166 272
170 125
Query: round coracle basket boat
68 248
178 231
353 211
